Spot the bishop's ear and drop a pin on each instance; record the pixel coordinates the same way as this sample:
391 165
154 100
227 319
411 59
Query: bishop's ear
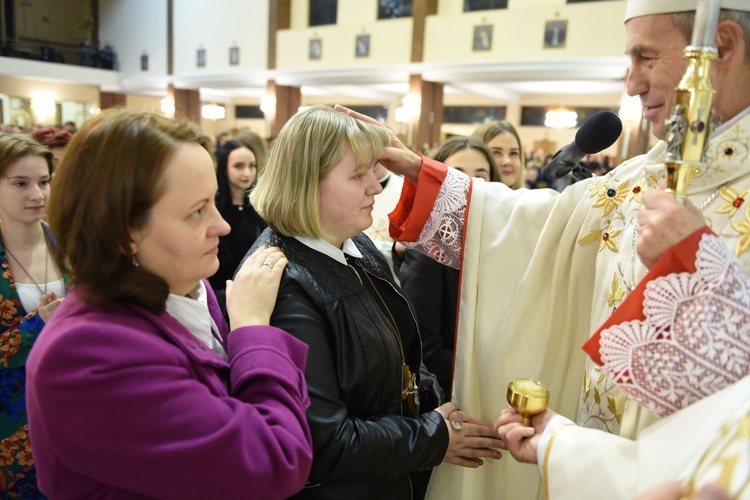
730 42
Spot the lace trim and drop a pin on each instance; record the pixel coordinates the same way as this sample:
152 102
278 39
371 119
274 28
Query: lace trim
695 338
442 234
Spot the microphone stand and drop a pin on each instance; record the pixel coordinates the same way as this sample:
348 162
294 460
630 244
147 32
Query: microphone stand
580 172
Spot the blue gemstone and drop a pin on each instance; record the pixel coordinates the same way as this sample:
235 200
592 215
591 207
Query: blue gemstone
611 193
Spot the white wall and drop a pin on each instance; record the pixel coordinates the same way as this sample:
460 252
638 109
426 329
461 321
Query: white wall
134 27
390 44
518 34
216 26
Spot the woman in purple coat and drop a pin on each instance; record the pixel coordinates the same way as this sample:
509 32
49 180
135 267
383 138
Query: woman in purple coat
137 388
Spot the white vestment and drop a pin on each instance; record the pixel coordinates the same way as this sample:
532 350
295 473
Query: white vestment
540 271
706 442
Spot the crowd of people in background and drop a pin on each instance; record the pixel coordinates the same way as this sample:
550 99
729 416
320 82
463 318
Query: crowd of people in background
534 159
495 153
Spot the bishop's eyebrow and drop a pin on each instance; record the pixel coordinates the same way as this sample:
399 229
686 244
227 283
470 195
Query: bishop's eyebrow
636 50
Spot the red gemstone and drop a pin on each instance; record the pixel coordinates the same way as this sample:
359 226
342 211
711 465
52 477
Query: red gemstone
637 189
605 236
738 202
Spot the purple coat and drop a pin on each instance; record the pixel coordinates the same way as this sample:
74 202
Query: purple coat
128 404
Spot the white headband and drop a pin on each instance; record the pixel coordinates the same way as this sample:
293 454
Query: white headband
637 8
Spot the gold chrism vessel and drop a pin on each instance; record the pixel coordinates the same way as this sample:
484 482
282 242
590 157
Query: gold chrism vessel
528 397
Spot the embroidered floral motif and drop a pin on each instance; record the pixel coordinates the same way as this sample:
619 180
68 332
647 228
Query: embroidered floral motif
640 187
605 395
597 186
721 461
608 239
695 338
742 227
616 294
605 237
732 150
591 237
610 198
735 200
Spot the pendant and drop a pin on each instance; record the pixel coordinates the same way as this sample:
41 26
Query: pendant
410 390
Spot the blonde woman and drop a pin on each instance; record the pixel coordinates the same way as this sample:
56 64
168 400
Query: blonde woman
377 417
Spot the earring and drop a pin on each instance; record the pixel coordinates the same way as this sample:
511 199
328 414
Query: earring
135 262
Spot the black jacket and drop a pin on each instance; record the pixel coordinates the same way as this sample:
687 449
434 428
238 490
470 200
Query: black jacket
246 226
365 444
433 290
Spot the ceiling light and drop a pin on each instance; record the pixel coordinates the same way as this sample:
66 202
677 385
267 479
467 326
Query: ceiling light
561 118
213 112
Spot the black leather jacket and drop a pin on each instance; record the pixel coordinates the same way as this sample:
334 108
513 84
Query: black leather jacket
433 290
365 445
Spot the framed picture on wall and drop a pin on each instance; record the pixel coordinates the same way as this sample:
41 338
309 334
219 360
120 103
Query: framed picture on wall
234 56
144 62
200 58
482 37
316 48
362 47
555 33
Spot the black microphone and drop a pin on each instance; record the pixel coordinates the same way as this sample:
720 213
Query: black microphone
598 132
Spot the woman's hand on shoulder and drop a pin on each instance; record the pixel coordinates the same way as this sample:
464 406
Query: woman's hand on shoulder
251 296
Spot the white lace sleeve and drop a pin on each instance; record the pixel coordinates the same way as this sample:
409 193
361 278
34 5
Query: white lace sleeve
695 338
442 235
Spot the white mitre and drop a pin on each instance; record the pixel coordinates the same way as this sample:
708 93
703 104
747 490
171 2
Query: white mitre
637 8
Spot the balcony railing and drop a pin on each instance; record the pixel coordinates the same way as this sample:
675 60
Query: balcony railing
83 55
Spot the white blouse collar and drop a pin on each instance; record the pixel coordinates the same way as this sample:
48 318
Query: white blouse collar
192 313
337 254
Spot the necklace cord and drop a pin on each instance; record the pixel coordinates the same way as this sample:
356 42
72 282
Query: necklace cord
46 263
409 387
392 320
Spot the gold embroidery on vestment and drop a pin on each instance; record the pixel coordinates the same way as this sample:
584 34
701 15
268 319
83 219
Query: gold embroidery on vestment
617 293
